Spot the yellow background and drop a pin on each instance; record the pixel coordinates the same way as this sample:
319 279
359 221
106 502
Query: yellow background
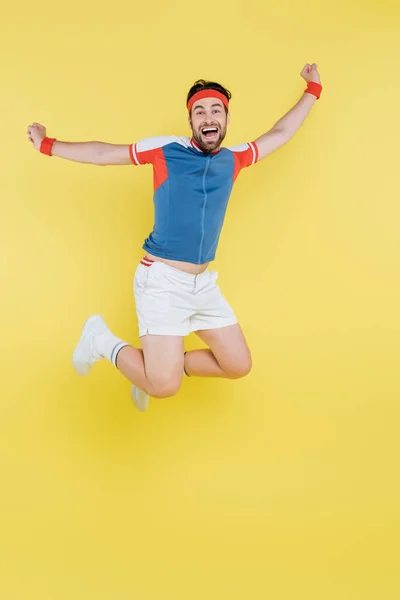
283 485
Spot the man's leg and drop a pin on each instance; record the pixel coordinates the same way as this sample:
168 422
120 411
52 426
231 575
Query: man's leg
156 370
228 354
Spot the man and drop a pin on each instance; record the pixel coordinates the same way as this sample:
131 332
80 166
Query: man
175 292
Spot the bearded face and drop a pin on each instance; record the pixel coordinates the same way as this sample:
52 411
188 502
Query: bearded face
208 122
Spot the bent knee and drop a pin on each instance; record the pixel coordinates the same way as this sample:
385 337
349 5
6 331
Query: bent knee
240 369
165 387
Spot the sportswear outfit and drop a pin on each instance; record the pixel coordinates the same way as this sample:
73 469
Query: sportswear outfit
191 193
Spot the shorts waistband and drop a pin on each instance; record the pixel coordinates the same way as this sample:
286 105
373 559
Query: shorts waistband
183 275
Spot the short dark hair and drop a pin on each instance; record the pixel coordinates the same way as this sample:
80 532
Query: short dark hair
202 84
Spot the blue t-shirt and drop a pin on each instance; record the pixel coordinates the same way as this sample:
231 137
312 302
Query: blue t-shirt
191 193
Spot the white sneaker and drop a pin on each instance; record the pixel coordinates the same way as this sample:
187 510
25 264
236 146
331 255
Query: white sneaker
140 398
86 353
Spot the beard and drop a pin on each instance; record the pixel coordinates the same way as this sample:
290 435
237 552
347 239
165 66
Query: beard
209 145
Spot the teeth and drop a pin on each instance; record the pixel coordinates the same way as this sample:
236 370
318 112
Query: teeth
214 129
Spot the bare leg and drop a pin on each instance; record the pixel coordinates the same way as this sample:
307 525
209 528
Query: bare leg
157 368
130 361
228 354
202 363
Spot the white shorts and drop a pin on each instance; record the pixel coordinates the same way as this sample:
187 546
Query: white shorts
172 302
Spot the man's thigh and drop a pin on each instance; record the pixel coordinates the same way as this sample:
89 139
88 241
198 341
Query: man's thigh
163 360
229 347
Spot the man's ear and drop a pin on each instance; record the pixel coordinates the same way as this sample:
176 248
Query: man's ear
228 118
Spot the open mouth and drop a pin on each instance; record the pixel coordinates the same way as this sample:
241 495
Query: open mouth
210 132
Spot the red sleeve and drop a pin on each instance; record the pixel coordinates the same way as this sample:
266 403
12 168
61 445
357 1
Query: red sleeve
145 151
245 155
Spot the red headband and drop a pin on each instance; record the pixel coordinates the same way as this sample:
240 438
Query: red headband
207 94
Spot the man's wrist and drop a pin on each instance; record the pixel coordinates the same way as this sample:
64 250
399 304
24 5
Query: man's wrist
46 145
313 88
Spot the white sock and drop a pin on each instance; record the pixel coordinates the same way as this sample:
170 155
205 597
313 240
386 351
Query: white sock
108 345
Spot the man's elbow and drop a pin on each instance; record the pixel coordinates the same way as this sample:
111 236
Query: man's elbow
283 135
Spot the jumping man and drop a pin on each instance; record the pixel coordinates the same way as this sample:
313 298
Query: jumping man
175 292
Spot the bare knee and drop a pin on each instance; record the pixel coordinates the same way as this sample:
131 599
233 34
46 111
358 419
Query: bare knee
239 369
164 387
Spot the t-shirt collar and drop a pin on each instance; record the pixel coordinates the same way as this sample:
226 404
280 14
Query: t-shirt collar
197 147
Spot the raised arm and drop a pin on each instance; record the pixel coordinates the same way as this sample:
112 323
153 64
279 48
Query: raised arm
95 153
286 127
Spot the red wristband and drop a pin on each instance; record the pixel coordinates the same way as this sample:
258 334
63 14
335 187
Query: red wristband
314 88
46 145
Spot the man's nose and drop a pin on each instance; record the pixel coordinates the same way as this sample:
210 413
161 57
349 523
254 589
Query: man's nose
208 115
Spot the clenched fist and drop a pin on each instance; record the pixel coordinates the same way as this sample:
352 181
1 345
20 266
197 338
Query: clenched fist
310 73
36 133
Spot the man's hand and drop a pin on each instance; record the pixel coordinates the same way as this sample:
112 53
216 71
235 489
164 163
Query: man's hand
36 133
310 73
